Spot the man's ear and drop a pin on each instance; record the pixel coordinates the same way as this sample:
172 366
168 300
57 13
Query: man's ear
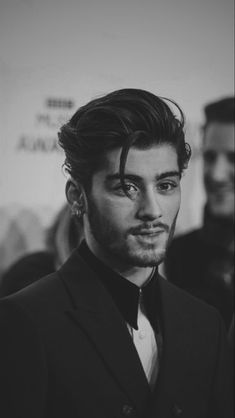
75 195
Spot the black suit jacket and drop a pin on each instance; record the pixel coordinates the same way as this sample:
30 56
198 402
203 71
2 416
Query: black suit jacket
66 353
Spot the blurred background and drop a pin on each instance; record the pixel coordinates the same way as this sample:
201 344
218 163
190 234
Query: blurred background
56 55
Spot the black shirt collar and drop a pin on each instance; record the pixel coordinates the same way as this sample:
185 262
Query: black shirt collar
124 293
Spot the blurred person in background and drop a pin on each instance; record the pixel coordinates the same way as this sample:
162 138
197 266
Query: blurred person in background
105 335
202 261
62 237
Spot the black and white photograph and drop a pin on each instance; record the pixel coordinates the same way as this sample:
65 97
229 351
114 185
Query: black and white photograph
117 209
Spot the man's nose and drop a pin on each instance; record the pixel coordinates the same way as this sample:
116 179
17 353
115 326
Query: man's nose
220 170
149 206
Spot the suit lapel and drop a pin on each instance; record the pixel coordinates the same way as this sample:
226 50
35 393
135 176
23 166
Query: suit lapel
94 311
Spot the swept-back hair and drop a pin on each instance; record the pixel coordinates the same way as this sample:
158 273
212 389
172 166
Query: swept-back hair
122 119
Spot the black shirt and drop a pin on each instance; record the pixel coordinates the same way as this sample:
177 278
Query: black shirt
126 294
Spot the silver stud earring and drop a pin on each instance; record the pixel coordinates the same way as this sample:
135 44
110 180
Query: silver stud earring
77 209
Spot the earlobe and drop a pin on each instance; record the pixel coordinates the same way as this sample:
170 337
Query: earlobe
75 196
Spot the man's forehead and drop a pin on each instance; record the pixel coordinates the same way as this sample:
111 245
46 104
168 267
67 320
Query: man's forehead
157 159
219 136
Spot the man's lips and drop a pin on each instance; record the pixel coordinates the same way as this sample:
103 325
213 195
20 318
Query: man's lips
150 231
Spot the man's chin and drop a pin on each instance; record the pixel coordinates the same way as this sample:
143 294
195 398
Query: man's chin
148 258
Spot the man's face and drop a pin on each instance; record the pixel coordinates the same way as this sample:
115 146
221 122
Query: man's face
134 230
219 168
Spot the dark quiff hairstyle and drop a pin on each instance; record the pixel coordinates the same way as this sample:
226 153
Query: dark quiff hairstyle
220 111
121 119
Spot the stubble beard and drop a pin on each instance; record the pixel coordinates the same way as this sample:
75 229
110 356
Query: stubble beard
125 247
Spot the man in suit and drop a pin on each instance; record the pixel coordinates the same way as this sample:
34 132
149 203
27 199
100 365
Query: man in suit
210 275
105 336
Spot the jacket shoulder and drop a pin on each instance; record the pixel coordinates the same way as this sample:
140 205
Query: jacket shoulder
38 297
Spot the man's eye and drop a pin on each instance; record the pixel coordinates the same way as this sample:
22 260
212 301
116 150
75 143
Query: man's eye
167 186
130 189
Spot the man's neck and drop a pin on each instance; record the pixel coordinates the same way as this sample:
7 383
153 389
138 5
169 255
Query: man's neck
136 275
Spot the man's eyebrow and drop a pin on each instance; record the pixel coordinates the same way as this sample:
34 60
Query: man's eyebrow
134 177
117 176
174 173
